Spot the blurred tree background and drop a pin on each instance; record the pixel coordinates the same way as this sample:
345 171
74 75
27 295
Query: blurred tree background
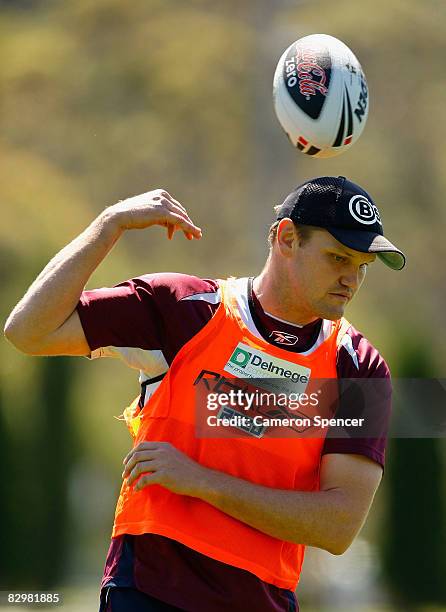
101 99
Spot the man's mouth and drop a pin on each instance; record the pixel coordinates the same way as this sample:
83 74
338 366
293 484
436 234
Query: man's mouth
342 295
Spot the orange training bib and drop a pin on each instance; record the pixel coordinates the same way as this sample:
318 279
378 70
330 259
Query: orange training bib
218 355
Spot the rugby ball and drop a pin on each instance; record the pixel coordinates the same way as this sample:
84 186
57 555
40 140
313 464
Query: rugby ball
320 95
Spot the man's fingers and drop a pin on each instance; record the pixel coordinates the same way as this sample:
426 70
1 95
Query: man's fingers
146 480
179 210
152 208
136 457
176 203
172 204
140 468
180 222
141 447
168 196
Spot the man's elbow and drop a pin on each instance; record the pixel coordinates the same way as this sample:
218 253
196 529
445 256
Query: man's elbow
21 346
10 332
16 338
339 548
336 544
343 539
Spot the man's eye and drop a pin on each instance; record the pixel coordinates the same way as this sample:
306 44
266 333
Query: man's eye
338 258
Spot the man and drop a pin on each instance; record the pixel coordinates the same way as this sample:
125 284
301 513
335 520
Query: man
221 524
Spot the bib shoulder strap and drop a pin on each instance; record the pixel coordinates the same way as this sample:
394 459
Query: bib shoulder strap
228 299
343 326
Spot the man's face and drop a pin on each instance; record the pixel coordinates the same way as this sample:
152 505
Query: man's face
324 275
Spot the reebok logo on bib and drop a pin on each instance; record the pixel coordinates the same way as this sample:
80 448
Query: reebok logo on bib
276 374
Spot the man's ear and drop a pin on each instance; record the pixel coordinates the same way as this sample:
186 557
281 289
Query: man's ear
287 237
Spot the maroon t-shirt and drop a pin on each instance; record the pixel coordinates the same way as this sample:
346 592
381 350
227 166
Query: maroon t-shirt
145 321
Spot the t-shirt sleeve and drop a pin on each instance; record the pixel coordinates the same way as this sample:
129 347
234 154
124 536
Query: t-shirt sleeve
366 391
146 320
124 315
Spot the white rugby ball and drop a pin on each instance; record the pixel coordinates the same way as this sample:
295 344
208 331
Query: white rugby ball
320 95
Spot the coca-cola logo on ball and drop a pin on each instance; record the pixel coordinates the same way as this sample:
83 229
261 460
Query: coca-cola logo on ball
307 75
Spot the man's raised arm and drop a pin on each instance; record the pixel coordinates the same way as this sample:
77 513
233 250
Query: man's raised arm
45 321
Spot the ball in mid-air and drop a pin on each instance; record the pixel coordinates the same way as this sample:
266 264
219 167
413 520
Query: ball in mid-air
320 95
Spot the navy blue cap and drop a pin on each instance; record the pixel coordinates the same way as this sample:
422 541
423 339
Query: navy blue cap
346 211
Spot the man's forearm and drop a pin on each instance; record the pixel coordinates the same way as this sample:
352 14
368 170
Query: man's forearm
329 518
49 303
55 293
319 518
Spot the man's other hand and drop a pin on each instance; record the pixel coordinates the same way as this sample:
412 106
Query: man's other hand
155 207
161 463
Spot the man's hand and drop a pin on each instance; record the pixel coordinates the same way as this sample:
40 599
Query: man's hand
163 464
156 207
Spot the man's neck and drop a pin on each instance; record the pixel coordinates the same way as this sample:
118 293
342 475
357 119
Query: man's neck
269 290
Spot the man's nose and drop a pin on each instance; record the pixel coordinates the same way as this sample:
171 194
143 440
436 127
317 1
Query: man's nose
351 278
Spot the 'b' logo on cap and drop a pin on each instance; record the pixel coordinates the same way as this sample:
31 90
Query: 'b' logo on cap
363 211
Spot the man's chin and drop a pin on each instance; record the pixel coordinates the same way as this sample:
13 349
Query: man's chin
332 313
335 317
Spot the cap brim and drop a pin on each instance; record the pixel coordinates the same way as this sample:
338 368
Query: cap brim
370 242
